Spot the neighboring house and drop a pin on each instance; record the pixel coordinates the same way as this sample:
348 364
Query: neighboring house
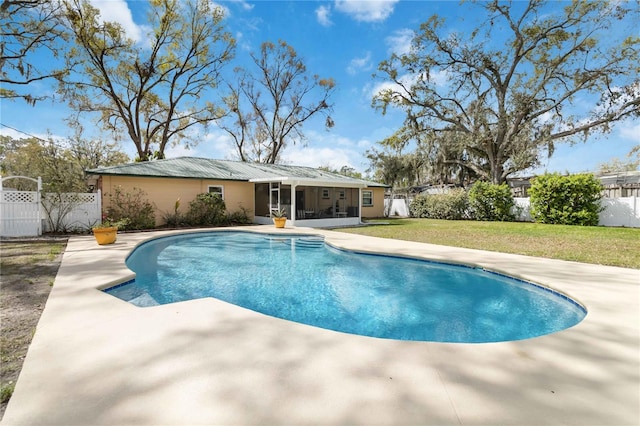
311 197
615 184
621 184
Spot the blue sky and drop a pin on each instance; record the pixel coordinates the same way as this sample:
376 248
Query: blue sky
341 39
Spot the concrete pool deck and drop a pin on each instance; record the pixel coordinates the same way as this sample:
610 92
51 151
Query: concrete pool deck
96 360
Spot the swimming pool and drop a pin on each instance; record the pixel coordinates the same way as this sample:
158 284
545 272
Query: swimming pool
300 278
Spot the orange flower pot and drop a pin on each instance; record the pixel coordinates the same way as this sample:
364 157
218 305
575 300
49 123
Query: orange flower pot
105 235
279 221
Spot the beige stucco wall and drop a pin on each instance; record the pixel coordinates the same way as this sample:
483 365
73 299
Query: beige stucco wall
377 210
163 192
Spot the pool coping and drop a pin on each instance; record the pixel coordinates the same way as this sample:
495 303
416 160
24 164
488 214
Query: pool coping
95 359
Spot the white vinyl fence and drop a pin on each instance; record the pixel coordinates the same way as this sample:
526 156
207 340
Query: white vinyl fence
623 211
29 214
71 212
523 213
20 210
397 207
20 214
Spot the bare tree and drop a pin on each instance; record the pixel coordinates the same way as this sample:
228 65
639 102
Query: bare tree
154 94
29 28
269 108
504 102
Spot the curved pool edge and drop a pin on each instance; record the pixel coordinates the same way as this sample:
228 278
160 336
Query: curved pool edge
548 288
153 247
106 361
339 244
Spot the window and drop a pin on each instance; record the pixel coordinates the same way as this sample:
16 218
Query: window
341 194
217 189
367 198
325 193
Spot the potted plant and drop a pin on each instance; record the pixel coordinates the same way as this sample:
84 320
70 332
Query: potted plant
279 217
105 232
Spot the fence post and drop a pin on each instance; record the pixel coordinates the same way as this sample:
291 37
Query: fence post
99 202
39 204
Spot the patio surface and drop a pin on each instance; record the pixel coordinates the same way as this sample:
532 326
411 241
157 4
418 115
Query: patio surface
96 360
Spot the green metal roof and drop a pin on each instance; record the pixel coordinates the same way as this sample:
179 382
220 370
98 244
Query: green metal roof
205 168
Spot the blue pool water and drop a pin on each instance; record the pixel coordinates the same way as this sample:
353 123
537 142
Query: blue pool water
302 279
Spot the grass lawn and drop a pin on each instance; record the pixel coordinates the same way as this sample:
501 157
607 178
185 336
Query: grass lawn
588 244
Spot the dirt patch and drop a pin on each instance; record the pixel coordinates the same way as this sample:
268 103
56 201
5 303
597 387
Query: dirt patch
27 272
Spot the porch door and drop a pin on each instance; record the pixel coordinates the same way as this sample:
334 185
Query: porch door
275 196
300 200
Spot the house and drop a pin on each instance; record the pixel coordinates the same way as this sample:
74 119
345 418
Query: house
614 184
311 197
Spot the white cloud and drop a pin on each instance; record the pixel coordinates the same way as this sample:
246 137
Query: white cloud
630 130
334 158
408 80
439 78
225 10
360 64
372 90
118 11
323 149
13 134
214 143
366 11
322 14
243 4
17 134
242 42
328 149
179 150
400 41
547 117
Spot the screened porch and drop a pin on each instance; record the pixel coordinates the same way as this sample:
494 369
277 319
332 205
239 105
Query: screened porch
305 204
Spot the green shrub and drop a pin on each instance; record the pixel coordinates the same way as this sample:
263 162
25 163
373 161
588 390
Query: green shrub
566 200
175 219
239 217
208 209
453 205
489 201
132 207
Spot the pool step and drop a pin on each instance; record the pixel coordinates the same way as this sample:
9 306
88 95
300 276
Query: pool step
309 241
144 300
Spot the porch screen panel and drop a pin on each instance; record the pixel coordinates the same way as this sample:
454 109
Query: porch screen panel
262 199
